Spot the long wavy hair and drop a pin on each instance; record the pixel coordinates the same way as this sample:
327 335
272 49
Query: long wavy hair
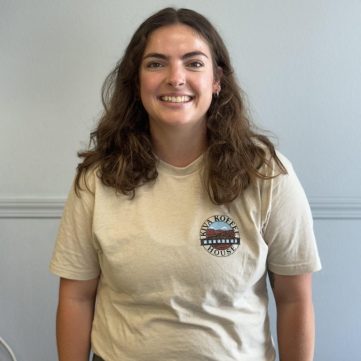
121 149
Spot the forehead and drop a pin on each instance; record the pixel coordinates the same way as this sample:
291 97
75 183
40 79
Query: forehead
177 38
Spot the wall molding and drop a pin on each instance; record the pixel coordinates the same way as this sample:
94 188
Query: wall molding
336 207
31 207
322 207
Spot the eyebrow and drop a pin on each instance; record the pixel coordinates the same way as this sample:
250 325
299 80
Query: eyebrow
165 57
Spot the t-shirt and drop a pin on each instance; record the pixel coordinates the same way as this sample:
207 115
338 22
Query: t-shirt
181 278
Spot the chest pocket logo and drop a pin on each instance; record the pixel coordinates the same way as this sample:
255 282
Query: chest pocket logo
219 236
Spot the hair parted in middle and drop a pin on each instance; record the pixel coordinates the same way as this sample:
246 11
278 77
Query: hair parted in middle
121 147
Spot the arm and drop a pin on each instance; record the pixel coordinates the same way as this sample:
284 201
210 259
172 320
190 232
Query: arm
74 318
295 318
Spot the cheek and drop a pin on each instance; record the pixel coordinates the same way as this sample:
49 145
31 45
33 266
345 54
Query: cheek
146 92
206 89
206 84
148 83
145 86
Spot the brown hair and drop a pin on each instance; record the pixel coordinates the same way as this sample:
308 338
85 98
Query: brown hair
121 144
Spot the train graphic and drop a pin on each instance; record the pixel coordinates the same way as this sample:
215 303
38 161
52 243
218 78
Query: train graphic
220 239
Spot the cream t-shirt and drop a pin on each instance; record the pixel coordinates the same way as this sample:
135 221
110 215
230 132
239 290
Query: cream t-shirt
181 278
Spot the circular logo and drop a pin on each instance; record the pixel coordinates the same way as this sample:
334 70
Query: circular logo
219 236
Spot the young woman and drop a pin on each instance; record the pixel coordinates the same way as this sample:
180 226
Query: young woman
178 212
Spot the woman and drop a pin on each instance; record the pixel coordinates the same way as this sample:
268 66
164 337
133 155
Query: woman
178 211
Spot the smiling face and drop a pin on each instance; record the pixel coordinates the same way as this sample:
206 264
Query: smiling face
176 77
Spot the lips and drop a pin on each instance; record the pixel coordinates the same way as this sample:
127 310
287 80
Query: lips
176 99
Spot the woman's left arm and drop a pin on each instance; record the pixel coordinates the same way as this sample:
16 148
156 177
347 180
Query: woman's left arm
295 316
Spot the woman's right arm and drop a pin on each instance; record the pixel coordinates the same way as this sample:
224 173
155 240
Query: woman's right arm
74 318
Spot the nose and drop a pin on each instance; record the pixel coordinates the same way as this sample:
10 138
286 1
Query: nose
176 75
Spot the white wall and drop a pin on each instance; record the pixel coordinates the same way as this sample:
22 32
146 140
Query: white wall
299 62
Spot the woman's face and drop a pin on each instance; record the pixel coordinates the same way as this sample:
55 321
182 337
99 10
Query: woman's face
176 77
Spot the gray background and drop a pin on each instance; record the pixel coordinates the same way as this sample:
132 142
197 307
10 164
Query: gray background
298 61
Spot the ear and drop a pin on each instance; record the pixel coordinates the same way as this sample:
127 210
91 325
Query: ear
217 79
219 73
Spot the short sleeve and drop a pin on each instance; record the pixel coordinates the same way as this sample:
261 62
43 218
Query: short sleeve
288 230
75 256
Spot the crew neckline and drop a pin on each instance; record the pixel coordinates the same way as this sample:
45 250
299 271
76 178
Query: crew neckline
180 171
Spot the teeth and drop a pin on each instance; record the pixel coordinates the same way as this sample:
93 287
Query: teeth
178 99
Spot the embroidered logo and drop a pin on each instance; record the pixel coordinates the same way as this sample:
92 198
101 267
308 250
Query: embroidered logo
219 236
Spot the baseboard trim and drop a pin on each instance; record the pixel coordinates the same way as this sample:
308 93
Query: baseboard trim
322 207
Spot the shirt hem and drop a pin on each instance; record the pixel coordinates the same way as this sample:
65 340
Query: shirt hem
295 269
58 271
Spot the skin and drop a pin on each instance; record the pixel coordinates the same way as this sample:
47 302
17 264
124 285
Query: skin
74 318
295 316
177 62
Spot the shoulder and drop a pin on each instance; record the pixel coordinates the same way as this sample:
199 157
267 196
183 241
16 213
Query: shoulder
82 192
283 190
283 180
86 181
284 160
273 163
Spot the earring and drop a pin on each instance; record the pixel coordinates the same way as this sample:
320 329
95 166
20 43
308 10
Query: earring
218 90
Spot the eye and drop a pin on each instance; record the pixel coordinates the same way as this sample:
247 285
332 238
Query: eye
153 65
195 64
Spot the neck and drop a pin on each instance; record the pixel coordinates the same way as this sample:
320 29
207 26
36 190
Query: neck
179 147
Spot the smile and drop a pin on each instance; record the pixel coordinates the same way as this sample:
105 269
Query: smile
176 99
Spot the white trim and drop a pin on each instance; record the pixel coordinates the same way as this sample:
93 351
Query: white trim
322 207
336 207
31 207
